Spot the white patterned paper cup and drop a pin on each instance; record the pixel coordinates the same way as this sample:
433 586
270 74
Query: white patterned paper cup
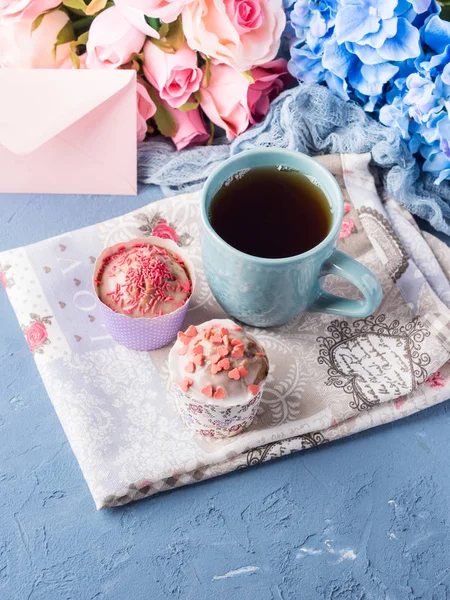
144 333
216 418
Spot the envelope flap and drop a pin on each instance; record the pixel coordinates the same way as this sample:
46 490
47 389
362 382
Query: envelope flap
37 104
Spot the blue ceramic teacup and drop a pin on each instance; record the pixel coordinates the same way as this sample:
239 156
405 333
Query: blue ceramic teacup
265 292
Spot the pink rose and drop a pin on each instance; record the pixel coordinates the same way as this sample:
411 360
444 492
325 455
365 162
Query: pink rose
34 50
346 228
270 80
26 9
36 334
436 380
207 432
240 33
399 402
135 11
112 40
225 100
175 76
347 207
165 231
191 130
3 279
145 110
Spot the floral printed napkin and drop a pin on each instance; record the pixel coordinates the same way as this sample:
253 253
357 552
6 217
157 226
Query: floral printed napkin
329 377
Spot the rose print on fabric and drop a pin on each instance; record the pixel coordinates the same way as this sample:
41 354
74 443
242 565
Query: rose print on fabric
347 228
348 225
374 361
6 281
36 333
158 226
435 380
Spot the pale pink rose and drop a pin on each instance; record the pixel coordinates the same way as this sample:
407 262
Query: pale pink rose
191 130
135 10
145 110
175 76
36 334
34 50
165 231
3 279
112 40
240 33
346 228
225 100
270 80
26 9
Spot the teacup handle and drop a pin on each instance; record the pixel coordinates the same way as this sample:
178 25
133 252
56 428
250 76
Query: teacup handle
343 266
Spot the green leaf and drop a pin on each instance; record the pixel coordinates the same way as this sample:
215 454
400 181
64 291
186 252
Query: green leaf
67 34
38 20
78 5
211 133
207 74
175 35
83 39
83 23
188 106
80 41
155 23
248 75
163 119
172 37
164 29
95 6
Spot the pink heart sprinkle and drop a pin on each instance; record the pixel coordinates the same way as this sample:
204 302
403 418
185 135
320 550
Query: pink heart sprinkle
191 331
234 374
190 367
253 389
207 391
219 394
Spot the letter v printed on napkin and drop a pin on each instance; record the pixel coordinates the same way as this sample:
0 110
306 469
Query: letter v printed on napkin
68 132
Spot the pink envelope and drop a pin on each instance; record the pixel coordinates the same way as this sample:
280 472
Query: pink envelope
68 131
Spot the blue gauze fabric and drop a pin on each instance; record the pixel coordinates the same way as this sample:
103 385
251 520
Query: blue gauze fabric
308 118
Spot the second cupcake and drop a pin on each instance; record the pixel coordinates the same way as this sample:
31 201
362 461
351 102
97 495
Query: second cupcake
218 373
144 287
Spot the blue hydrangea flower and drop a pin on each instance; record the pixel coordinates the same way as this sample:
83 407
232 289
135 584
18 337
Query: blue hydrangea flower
390 56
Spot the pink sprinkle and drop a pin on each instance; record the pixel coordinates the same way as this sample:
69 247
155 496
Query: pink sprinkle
234 374
191 331
220 393
224 363
198 349
238 352
215 369
190 367
215 358
236 328
182 351
260 354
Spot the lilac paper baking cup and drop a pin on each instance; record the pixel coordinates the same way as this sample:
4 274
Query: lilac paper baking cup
144 333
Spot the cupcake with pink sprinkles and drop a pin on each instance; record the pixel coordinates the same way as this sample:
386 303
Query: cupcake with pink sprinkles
144 287
218 373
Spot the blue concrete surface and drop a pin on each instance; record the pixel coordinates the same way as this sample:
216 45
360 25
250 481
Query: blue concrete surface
366 518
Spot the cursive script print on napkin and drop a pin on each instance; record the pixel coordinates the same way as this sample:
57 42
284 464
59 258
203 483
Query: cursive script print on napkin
372 361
